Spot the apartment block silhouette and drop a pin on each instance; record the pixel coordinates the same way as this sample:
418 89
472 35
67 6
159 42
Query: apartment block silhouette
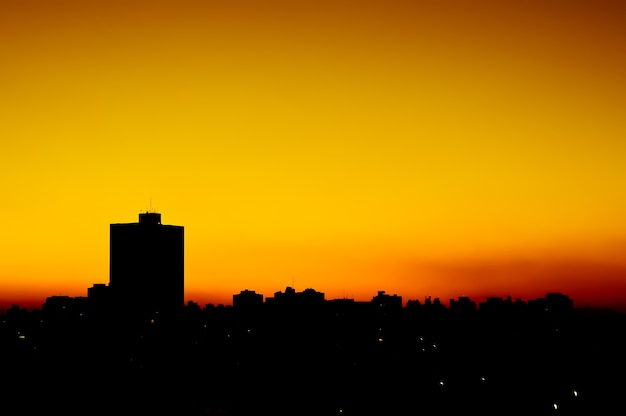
147 267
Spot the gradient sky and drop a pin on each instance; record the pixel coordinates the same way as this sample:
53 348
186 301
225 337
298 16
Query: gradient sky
439 148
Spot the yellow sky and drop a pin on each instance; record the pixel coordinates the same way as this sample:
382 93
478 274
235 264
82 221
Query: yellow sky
422 148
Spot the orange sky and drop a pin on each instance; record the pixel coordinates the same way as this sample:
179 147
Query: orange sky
441 148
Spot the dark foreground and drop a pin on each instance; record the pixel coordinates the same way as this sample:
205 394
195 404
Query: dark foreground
323 362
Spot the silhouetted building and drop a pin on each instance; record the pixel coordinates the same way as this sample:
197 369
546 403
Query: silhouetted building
463 305
392 303
99 301
558 302
290 298
64 306
98 293
311 297
494 305
147 267
247 300
286 298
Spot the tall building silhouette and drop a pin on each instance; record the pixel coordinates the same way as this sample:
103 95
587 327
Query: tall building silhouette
147 271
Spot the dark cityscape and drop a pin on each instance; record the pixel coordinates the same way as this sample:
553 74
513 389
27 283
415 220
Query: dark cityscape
134 347
378 208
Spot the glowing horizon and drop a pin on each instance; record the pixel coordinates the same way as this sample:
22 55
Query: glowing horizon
437 149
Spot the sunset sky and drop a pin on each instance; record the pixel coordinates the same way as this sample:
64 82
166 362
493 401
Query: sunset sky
425 148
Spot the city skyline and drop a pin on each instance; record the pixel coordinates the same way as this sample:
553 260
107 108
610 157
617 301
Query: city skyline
146 276
299 353
438 149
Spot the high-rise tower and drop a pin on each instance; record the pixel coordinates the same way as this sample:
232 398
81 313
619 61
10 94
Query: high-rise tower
147 272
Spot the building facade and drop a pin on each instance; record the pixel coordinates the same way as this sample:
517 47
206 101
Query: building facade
147 267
